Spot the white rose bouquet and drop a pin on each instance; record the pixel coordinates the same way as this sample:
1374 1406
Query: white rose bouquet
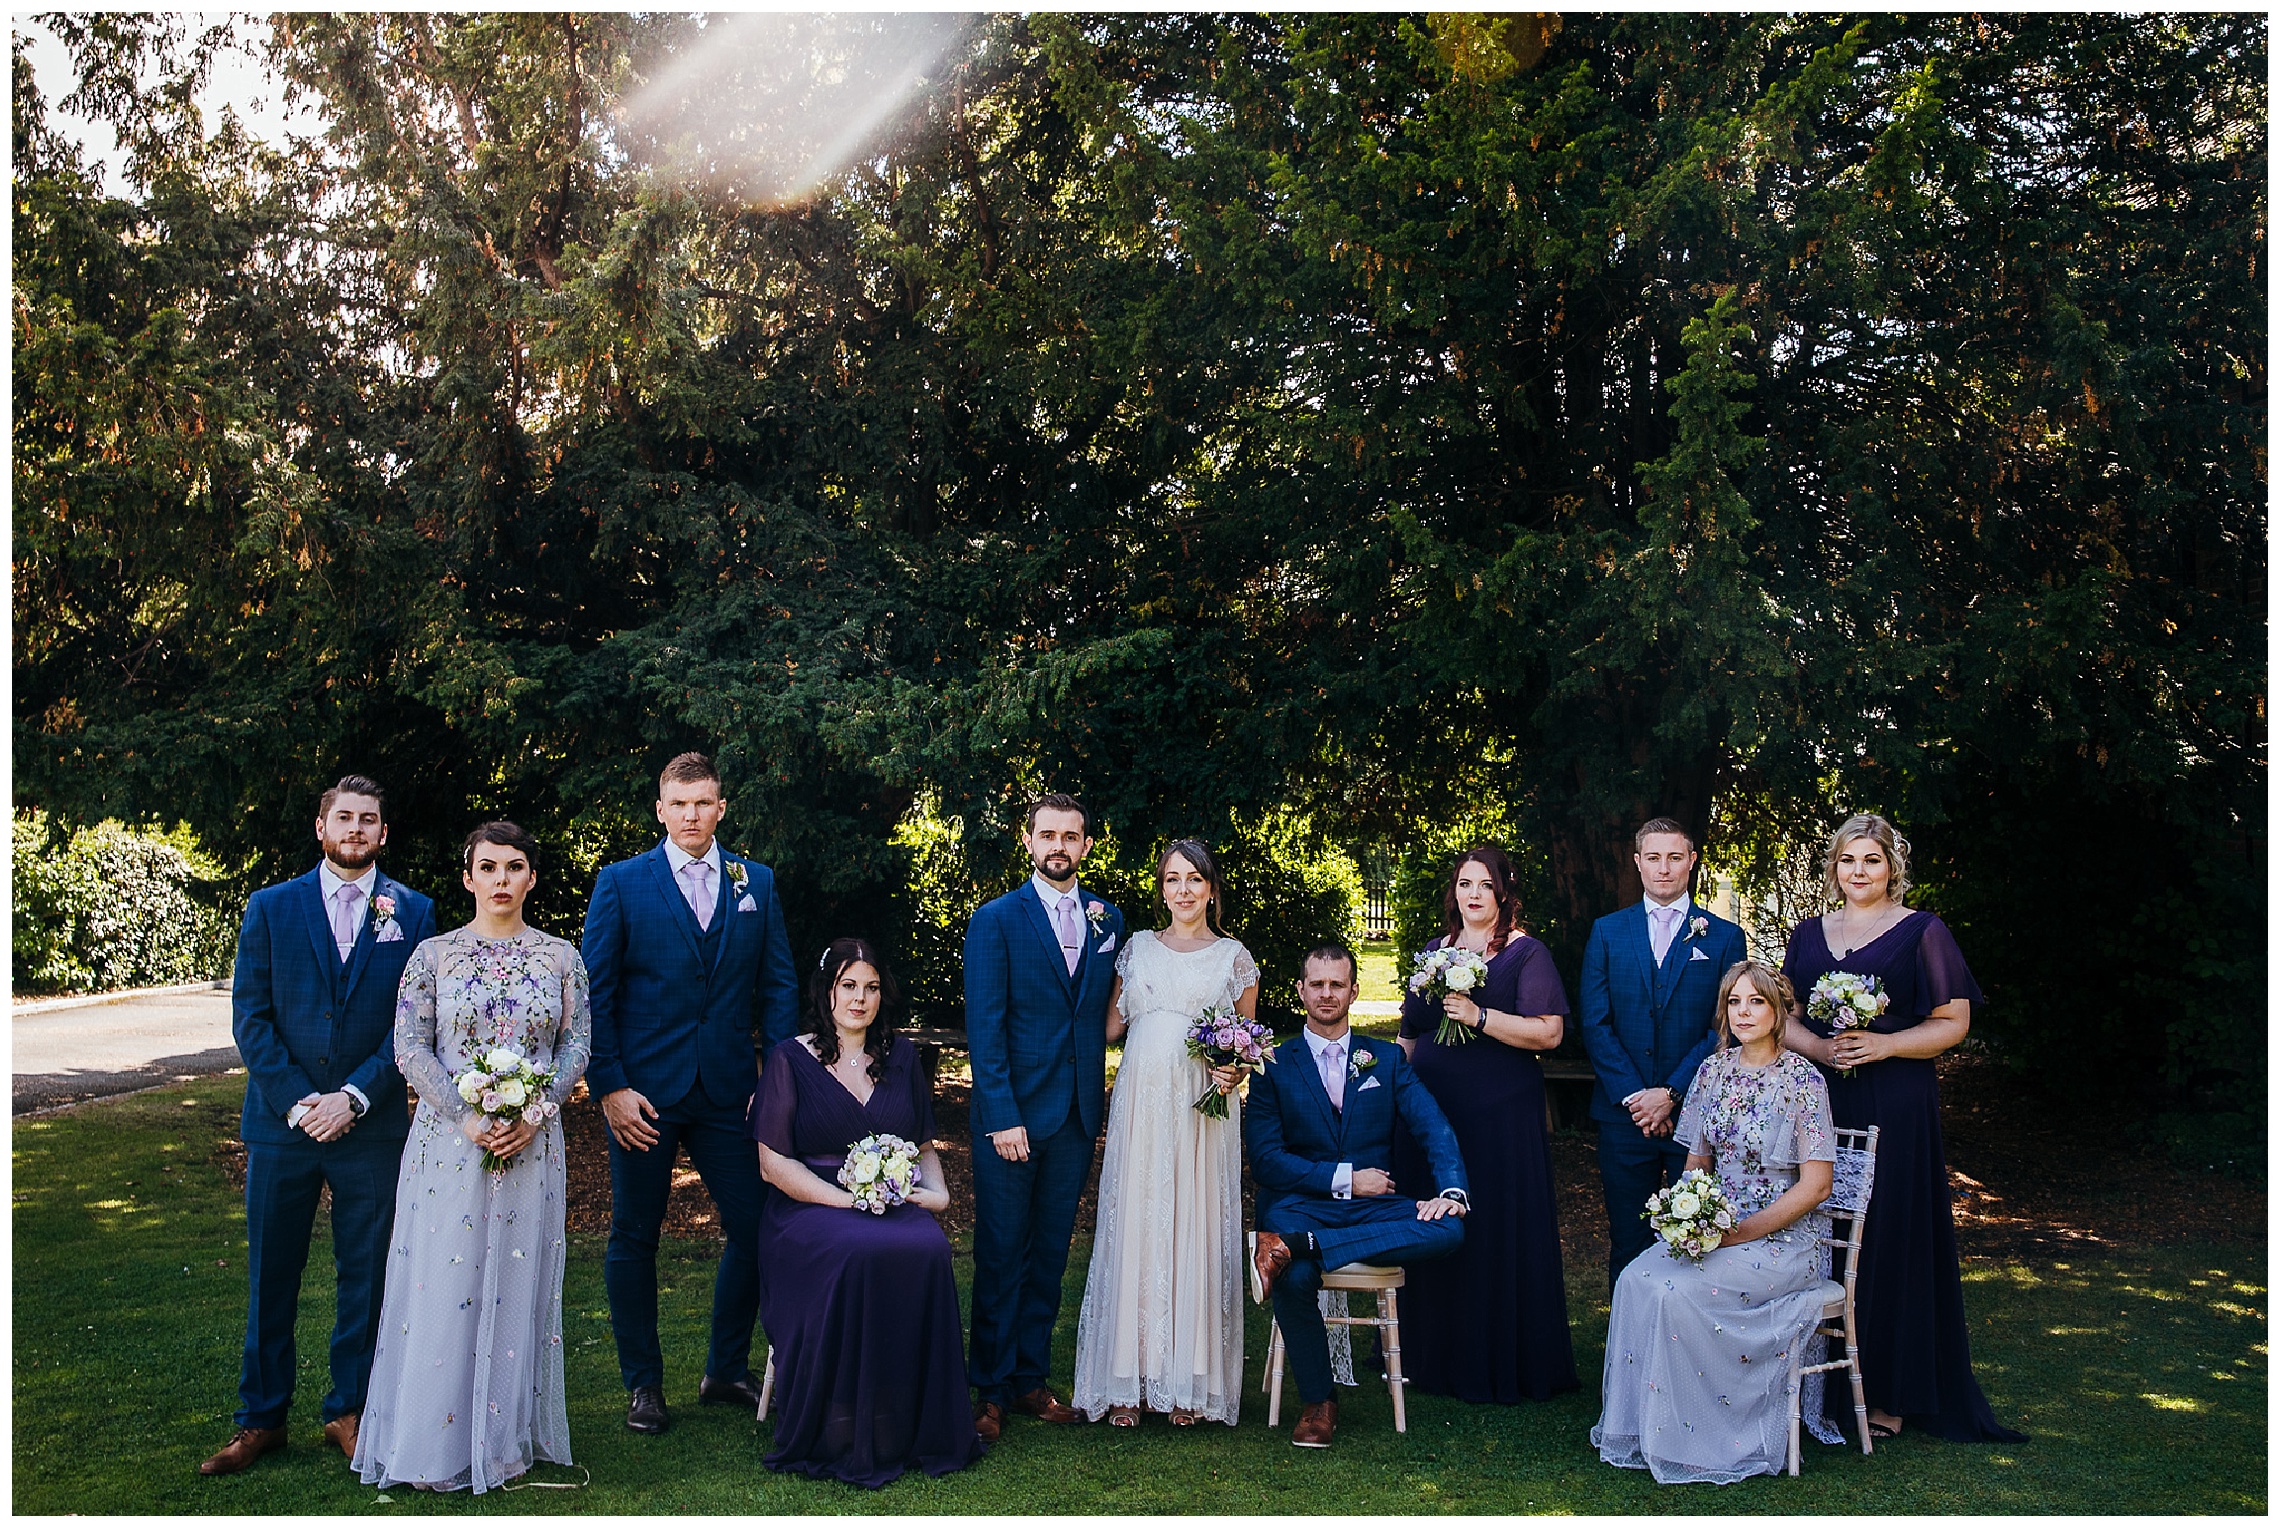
504 1087
881 1171
1844 1001
1693 1215
1441 972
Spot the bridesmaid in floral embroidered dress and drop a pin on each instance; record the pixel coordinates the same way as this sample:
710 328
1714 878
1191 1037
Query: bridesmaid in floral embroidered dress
1915 1351
467 1373
1696 1383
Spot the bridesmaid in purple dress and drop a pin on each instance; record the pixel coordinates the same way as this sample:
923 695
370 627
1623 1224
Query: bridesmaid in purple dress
861 1309
1915 1351
1490 1323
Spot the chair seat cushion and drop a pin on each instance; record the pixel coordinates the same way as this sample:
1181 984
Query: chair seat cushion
1832 1298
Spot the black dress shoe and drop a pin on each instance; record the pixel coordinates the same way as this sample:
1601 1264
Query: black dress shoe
743 1392
646 1413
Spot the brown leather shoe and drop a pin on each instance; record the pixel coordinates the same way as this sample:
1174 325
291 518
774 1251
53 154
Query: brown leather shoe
249 1444
1270 1255
1317 1425
342 1431
989 1420
1045 1406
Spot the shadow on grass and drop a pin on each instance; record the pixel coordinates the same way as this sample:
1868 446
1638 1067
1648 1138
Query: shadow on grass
2141 1377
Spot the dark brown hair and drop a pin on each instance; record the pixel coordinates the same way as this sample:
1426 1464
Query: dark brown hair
837 957
1193 851
1055 801
687 769
1332 950
498 832
353 785
1499 867
1654 825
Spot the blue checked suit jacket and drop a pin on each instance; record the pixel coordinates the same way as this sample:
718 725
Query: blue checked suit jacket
1037 1035
1645 1025
665 1015
304 1023
1296 1140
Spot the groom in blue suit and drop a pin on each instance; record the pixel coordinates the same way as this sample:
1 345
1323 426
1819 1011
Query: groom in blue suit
313 1011
1039 963
1318 1126
1651 974
691 977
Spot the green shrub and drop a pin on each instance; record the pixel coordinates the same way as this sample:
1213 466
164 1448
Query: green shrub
113 906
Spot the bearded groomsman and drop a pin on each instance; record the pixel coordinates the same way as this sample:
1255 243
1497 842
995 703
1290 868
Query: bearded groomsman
1039 963
313 1011
1647 1009
691 979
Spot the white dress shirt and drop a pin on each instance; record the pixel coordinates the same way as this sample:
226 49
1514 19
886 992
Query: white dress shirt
1052 896
1341 1181
1685 906
681 859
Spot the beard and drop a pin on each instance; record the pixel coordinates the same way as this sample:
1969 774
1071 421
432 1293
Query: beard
1057 865
352 856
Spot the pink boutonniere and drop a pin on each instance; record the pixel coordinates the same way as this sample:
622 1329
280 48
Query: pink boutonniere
1096 913
1362 1062
737 874
383 911
1697 928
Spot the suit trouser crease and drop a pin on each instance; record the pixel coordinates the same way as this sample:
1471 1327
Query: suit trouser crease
641 1184
1025 1214
282 1185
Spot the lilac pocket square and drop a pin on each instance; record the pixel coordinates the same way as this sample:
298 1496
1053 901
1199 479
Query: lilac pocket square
392 934
1698 955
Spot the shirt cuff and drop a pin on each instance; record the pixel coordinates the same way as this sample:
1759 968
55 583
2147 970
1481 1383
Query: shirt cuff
1342 1181
1630 1097
363 1104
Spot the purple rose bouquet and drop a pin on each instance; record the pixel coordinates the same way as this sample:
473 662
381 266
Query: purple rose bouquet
1220 1035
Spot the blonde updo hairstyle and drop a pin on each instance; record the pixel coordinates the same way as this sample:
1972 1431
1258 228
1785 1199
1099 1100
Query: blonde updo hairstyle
1767 983
1867 825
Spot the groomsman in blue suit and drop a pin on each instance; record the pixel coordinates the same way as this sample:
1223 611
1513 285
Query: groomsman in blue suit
1318 1126
1648 1012
313 1011
691 978
1039 963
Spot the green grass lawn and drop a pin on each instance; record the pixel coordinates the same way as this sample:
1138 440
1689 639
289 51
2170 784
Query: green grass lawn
1380 978
2141 1377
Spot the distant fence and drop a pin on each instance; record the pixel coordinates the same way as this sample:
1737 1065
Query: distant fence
1377 917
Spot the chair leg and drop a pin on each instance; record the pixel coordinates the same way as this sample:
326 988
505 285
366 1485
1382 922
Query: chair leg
1274 1374
1860 1392
1796 1403
1389 1322
767 1385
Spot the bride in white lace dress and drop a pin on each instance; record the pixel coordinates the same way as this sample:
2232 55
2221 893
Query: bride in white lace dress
1162 1324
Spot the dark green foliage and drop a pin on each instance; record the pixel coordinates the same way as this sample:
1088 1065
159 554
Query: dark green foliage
1383 420
109 906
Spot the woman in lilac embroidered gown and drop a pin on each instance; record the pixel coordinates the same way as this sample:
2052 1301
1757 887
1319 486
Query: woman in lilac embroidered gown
1696 1383
1915 1350
467 1368
861 1309
1490 1323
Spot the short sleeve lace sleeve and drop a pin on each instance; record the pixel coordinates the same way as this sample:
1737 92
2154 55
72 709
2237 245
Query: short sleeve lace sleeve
1688 1131
1124 976
1244 976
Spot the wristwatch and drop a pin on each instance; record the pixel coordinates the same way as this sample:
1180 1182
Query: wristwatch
355 1104
1457 1197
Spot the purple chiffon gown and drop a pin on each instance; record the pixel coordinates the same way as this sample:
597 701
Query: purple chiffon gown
1490 1323
861 1310
1915 1349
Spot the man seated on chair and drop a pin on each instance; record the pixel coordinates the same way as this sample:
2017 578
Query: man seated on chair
1319 1129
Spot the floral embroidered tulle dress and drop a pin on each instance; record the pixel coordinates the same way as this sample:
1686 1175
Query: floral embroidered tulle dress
467 1371
1696 1384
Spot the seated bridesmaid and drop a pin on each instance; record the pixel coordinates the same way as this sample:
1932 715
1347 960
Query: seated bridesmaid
1696 1384
861 1309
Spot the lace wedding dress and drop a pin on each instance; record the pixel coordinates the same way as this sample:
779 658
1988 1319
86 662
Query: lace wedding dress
1162 1323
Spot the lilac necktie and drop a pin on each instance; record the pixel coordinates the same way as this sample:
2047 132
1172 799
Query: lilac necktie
698 877
1334 1073
1065 927
344 919
1666 926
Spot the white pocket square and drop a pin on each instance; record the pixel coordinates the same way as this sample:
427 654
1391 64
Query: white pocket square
1698 955
745 904
392 934
1106 945
1367 1084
